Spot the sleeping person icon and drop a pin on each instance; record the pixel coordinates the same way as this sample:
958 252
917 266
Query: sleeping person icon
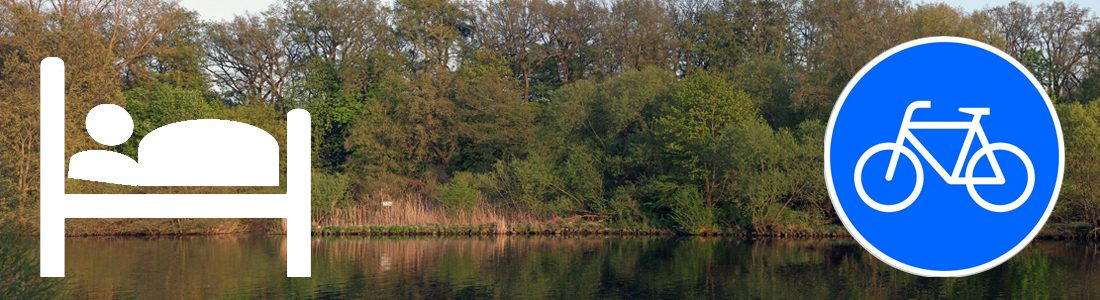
204 152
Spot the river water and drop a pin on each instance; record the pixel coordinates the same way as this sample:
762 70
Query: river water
549 267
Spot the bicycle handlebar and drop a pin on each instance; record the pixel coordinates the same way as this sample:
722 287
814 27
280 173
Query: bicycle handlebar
919 104
915 106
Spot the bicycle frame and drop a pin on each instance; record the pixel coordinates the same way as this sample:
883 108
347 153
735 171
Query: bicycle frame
974 129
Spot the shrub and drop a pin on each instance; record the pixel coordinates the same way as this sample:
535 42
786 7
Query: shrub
688 211
581 180
460 194
330 191
1080 199
529 184
622 206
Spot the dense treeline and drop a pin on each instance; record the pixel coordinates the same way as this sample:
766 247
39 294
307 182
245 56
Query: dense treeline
693 115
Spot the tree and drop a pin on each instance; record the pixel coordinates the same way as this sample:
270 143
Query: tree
1015 24
494 121
691 129
336 32
175 54
835 39
339 52
638 34
429 32
509 27
248 60
571 33
107 46
406 129
1081 123
720 36
942 20
1089 89
1060 35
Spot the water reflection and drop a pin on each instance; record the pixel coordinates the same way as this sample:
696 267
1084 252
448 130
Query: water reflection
549 267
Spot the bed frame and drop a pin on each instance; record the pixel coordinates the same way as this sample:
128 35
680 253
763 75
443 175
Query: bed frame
55 205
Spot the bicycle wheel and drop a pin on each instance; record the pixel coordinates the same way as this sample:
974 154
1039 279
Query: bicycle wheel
861 163
988 151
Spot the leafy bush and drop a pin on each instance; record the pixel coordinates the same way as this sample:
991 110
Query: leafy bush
689 212
542 186
695 130
330 191
460 194
582 180
622 206
1080 197
162 105
526 184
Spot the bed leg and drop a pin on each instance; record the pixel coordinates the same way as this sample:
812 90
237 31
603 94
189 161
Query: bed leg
298 189
51 164
52 243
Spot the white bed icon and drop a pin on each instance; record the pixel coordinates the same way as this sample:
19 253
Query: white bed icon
252 159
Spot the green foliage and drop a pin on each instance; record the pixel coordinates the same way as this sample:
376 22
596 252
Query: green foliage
581 179
1089 89
429 28
698 138
770 82
460 194
1039 66
406 129
332 108
1079 199
619 104
623 206
163 104
493 121
532 184
688 211
777 176
693 130
330 192
178 61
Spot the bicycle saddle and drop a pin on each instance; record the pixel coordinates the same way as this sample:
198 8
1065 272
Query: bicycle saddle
977 111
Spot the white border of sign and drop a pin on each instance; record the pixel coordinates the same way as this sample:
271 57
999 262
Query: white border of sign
886 258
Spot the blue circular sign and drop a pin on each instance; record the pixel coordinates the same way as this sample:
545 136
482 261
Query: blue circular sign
943 157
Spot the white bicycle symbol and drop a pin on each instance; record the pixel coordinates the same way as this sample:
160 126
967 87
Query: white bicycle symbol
974 129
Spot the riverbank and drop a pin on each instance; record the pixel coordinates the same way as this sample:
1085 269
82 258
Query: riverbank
413 218
1071 231
155 228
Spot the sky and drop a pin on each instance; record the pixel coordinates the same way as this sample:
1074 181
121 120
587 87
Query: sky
221 10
